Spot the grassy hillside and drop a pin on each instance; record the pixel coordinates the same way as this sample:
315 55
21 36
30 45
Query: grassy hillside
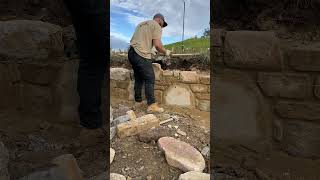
190 45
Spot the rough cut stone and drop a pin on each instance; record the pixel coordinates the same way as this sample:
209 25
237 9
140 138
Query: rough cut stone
141 124
298 110
189 76
159 96
114 176
69 166
235 92
157 71
194 175
26 39
204 79
199 88
179 95
120 119
285 85
4 160
203 96
302 138
304 58
252 50
167 73
112 154
131 114
204 105
119 74
181 155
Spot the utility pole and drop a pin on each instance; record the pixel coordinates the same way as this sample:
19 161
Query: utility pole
184 7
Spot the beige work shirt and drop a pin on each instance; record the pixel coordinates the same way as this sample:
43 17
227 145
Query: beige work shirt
142 38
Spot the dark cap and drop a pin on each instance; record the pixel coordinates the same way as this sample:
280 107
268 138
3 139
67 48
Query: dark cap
158 15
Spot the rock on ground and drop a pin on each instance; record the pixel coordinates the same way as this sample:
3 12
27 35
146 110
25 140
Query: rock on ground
4 159
114 176
181 155
194 175
66 168
112 154
69 166
152 134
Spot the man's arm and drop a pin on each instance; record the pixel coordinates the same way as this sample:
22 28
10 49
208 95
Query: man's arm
158 45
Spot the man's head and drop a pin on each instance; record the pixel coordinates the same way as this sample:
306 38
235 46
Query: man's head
160 20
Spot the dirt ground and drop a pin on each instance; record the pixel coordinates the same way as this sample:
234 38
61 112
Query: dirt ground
139 160
33 142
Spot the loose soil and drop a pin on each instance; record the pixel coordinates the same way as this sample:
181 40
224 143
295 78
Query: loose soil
140 160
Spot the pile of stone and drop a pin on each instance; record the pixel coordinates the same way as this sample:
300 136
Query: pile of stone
178 154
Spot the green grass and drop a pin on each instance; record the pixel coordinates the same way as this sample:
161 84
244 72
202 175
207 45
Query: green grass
191 45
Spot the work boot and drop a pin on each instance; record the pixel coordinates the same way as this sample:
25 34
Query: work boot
154 108
138 105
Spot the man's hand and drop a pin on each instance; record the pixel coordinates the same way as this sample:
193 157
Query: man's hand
168 53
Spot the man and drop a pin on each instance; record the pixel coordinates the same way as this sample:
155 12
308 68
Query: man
90 22
147 34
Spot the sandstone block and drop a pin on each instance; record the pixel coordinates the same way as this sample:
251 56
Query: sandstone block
204 79
304 58
252 50
203 96
285 85
298 110
157 71
69 166
26 39
179 95
204 105
119 74
189 77
199 88
141 124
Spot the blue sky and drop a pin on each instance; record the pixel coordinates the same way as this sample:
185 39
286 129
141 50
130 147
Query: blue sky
126 14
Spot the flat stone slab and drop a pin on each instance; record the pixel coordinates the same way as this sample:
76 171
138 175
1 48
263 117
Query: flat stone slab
192 175
181 155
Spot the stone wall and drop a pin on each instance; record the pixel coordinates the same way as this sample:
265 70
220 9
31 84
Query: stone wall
270 89
173 87
36 76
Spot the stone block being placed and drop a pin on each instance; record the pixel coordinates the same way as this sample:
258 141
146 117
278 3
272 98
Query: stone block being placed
141 124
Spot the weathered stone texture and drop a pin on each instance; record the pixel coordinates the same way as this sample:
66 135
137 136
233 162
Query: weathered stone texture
295 86
252 50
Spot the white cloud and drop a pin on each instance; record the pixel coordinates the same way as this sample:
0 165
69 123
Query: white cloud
196 20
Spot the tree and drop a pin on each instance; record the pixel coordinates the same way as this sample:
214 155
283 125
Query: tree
206 33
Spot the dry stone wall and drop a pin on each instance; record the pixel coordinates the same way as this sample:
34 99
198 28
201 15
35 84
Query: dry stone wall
173 87
284 81
35 74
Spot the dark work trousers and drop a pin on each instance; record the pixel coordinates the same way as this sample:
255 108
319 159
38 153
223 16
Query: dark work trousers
143 74
89 18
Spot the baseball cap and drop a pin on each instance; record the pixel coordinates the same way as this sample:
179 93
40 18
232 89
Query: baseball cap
158 15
